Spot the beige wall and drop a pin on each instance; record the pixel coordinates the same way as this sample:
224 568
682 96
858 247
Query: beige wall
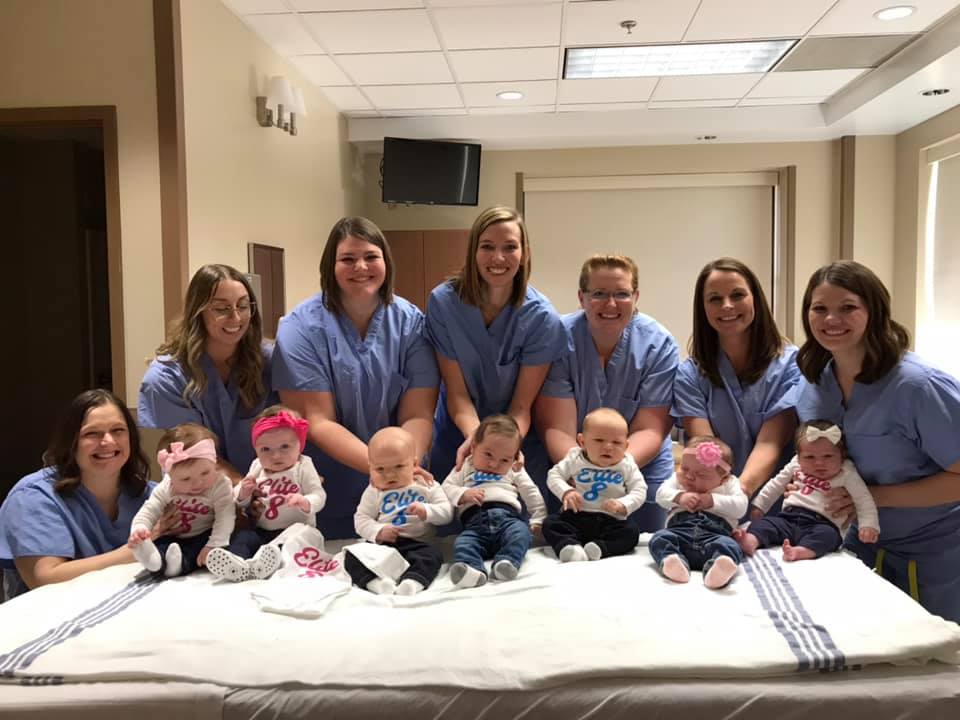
817 209
874 204
910 145
100 52
246 183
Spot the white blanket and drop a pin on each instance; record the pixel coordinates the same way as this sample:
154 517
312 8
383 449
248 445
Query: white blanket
556 622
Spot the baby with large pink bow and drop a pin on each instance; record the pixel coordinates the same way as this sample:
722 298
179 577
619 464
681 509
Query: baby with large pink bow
201 493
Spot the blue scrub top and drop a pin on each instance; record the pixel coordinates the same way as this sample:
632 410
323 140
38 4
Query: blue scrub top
37 521
639 374
489 358
737 412
220 409
320 351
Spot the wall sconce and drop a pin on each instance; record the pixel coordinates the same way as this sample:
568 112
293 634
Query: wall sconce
280 96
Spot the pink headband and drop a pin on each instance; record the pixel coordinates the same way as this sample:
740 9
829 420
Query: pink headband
282 419
205 449
708 454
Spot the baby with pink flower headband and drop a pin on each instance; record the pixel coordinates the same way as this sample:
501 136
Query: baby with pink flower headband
288 484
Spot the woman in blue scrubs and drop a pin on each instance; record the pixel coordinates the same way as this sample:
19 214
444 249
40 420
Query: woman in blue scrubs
899 417
353 359
623 360
495 337
739 382
74 516
214 370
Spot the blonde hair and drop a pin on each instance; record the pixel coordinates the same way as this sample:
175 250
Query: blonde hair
611 262
187 433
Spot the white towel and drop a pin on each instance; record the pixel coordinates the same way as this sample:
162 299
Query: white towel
291 596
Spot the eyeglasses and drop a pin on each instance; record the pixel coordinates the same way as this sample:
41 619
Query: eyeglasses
222 312
602 296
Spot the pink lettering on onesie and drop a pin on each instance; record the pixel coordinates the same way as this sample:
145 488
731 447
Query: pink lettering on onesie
189 510
277 490
812 484
314 562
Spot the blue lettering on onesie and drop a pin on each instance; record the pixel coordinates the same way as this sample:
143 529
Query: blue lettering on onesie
480 477
598 479
398 501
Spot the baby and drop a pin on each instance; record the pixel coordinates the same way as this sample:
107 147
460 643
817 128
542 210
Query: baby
600 485
203 496
705 503
486 493
394 510
804 526
291 489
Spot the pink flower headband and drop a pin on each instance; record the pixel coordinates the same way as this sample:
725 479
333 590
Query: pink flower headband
205 449
282 419
708 454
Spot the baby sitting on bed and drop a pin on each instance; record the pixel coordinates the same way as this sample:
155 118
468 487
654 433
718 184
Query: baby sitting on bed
486 492
395 510
804 526
705 503
600 485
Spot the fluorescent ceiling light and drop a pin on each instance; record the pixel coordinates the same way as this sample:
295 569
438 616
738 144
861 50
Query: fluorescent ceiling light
510 95
895 13
684 59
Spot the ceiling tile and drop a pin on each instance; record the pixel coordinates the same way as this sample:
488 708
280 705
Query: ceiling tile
464 28
320 70
371 31
328 5
604 90
602 107
855 17
829 53
667 104
396 97
422 113
755 101
598 23
512 110
397 68
463 3
346 98
743 19
284 33
705 87
250 7
537 92
492 65
809 83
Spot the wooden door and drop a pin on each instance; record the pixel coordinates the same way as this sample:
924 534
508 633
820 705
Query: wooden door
444 252
267 262
406 246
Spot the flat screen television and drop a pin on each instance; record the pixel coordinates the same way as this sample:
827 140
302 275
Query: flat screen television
430 172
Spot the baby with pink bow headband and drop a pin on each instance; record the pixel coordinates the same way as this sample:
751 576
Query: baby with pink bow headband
803 527
203 495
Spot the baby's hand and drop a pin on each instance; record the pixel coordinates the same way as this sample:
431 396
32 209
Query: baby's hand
704 501
518 463
868 535
755 513
247 486
417 509
388 534
472 496
298 500
572 500
202 557
137 537
688 501
614 506
536 529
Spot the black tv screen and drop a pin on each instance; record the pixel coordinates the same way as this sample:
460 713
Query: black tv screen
430 172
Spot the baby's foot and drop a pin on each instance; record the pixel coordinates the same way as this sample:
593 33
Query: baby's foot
720 573
571 553
146 554
747 541
173 560
675 568
382 586
506 570
265 562
464 576
408 587
224 565
791 553
593 551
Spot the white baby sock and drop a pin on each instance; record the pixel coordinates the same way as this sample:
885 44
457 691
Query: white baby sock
593 551
173 560
146 554
571 553
720 573
408 587
505 570
382 586
675 568
464 576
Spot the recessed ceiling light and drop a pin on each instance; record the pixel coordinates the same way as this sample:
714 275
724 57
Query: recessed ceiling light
684 59
895 13
935 92
510 95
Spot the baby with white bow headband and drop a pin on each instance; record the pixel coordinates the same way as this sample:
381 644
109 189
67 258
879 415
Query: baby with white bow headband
804 527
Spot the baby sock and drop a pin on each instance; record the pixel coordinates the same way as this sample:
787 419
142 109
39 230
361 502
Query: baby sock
593 551
173 560
720 573
506 570
408 587
382 586
675 568
265 562
464 576
571 553
146 554
224 565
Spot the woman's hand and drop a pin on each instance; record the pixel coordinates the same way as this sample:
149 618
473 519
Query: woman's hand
424 476
463 452
166 522
840 505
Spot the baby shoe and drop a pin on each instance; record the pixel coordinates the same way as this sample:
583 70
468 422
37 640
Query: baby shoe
720 573
224 565
173 560
464 576
265 562
146 554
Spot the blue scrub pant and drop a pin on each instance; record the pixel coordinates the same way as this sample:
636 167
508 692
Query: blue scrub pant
699 538
493 530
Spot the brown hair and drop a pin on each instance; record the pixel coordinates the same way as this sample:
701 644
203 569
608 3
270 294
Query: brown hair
187 433
187 338
362 229
885 340
498 425
467 282
725 452
61 453
766 343
611 262
275 410
800 435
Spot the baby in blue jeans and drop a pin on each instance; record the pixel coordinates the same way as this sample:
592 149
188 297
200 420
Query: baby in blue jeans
705 503
486 492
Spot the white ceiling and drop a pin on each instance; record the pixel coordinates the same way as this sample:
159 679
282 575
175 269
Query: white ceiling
432 68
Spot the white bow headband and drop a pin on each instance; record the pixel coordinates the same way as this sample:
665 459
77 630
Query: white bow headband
832 433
